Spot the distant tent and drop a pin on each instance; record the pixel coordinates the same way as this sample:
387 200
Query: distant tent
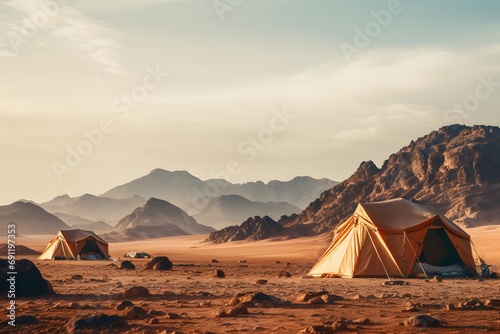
391 238
74 244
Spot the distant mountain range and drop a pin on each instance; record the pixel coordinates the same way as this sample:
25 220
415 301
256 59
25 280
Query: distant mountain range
29 219
94 208
228 210
455 169
189 192
84 224
223 205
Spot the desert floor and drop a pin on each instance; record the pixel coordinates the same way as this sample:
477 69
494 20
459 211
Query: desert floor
191 292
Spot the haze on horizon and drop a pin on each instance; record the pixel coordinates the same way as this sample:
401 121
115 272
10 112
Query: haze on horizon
277 88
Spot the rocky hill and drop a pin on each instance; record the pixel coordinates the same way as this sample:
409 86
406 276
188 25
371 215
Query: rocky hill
256 228
29 219
455 169
157 218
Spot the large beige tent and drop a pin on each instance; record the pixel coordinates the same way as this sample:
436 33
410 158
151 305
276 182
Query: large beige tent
74 244
391 238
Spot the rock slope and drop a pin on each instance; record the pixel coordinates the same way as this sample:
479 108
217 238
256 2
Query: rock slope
455 169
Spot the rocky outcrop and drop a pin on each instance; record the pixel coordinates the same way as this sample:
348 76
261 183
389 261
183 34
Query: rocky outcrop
455 169
256 228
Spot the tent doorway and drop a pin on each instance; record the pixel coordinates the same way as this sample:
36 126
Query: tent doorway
90 248
438 249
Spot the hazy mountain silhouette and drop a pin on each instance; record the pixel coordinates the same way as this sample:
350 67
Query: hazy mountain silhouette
29 219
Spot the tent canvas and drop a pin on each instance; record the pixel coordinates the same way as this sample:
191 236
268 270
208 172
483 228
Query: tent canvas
73 244
388 238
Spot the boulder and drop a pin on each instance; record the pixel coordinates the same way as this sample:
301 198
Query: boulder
94 322
163 262
257 299
134 312
127 265
422 321
305 297
124 305
136 292
29 282
219 274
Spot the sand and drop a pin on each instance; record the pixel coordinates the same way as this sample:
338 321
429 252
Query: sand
191 291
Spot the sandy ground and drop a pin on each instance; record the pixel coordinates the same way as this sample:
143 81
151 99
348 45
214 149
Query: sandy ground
191 291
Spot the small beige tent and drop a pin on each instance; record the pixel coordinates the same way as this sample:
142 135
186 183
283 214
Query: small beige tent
389 238
73 244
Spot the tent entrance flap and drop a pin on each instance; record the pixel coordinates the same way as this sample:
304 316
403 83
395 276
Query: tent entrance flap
438 249
90 246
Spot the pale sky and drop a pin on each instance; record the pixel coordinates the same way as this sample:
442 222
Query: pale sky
351 81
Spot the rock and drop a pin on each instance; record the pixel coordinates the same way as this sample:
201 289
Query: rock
319 330
29 282
127 265
215 261
410 307
219 274
206 303
154 321
392 282
241 309
305 297
492 302
257 299
285 274
471 304
134 312
422 321
493 275
21 320
163 266
450 307
155 313
361 321
219 314
124 305
94 321
77 277
316 300
136 292
173 316
438 279
262 282
163 263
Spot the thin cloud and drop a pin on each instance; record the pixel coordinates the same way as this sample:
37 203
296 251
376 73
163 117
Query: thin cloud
76 30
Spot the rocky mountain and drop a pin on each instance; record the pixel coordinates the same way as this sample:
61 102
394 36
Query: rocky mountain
256 228
93 208
157 218
227 210
190 192
29 219
84 224
455 169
